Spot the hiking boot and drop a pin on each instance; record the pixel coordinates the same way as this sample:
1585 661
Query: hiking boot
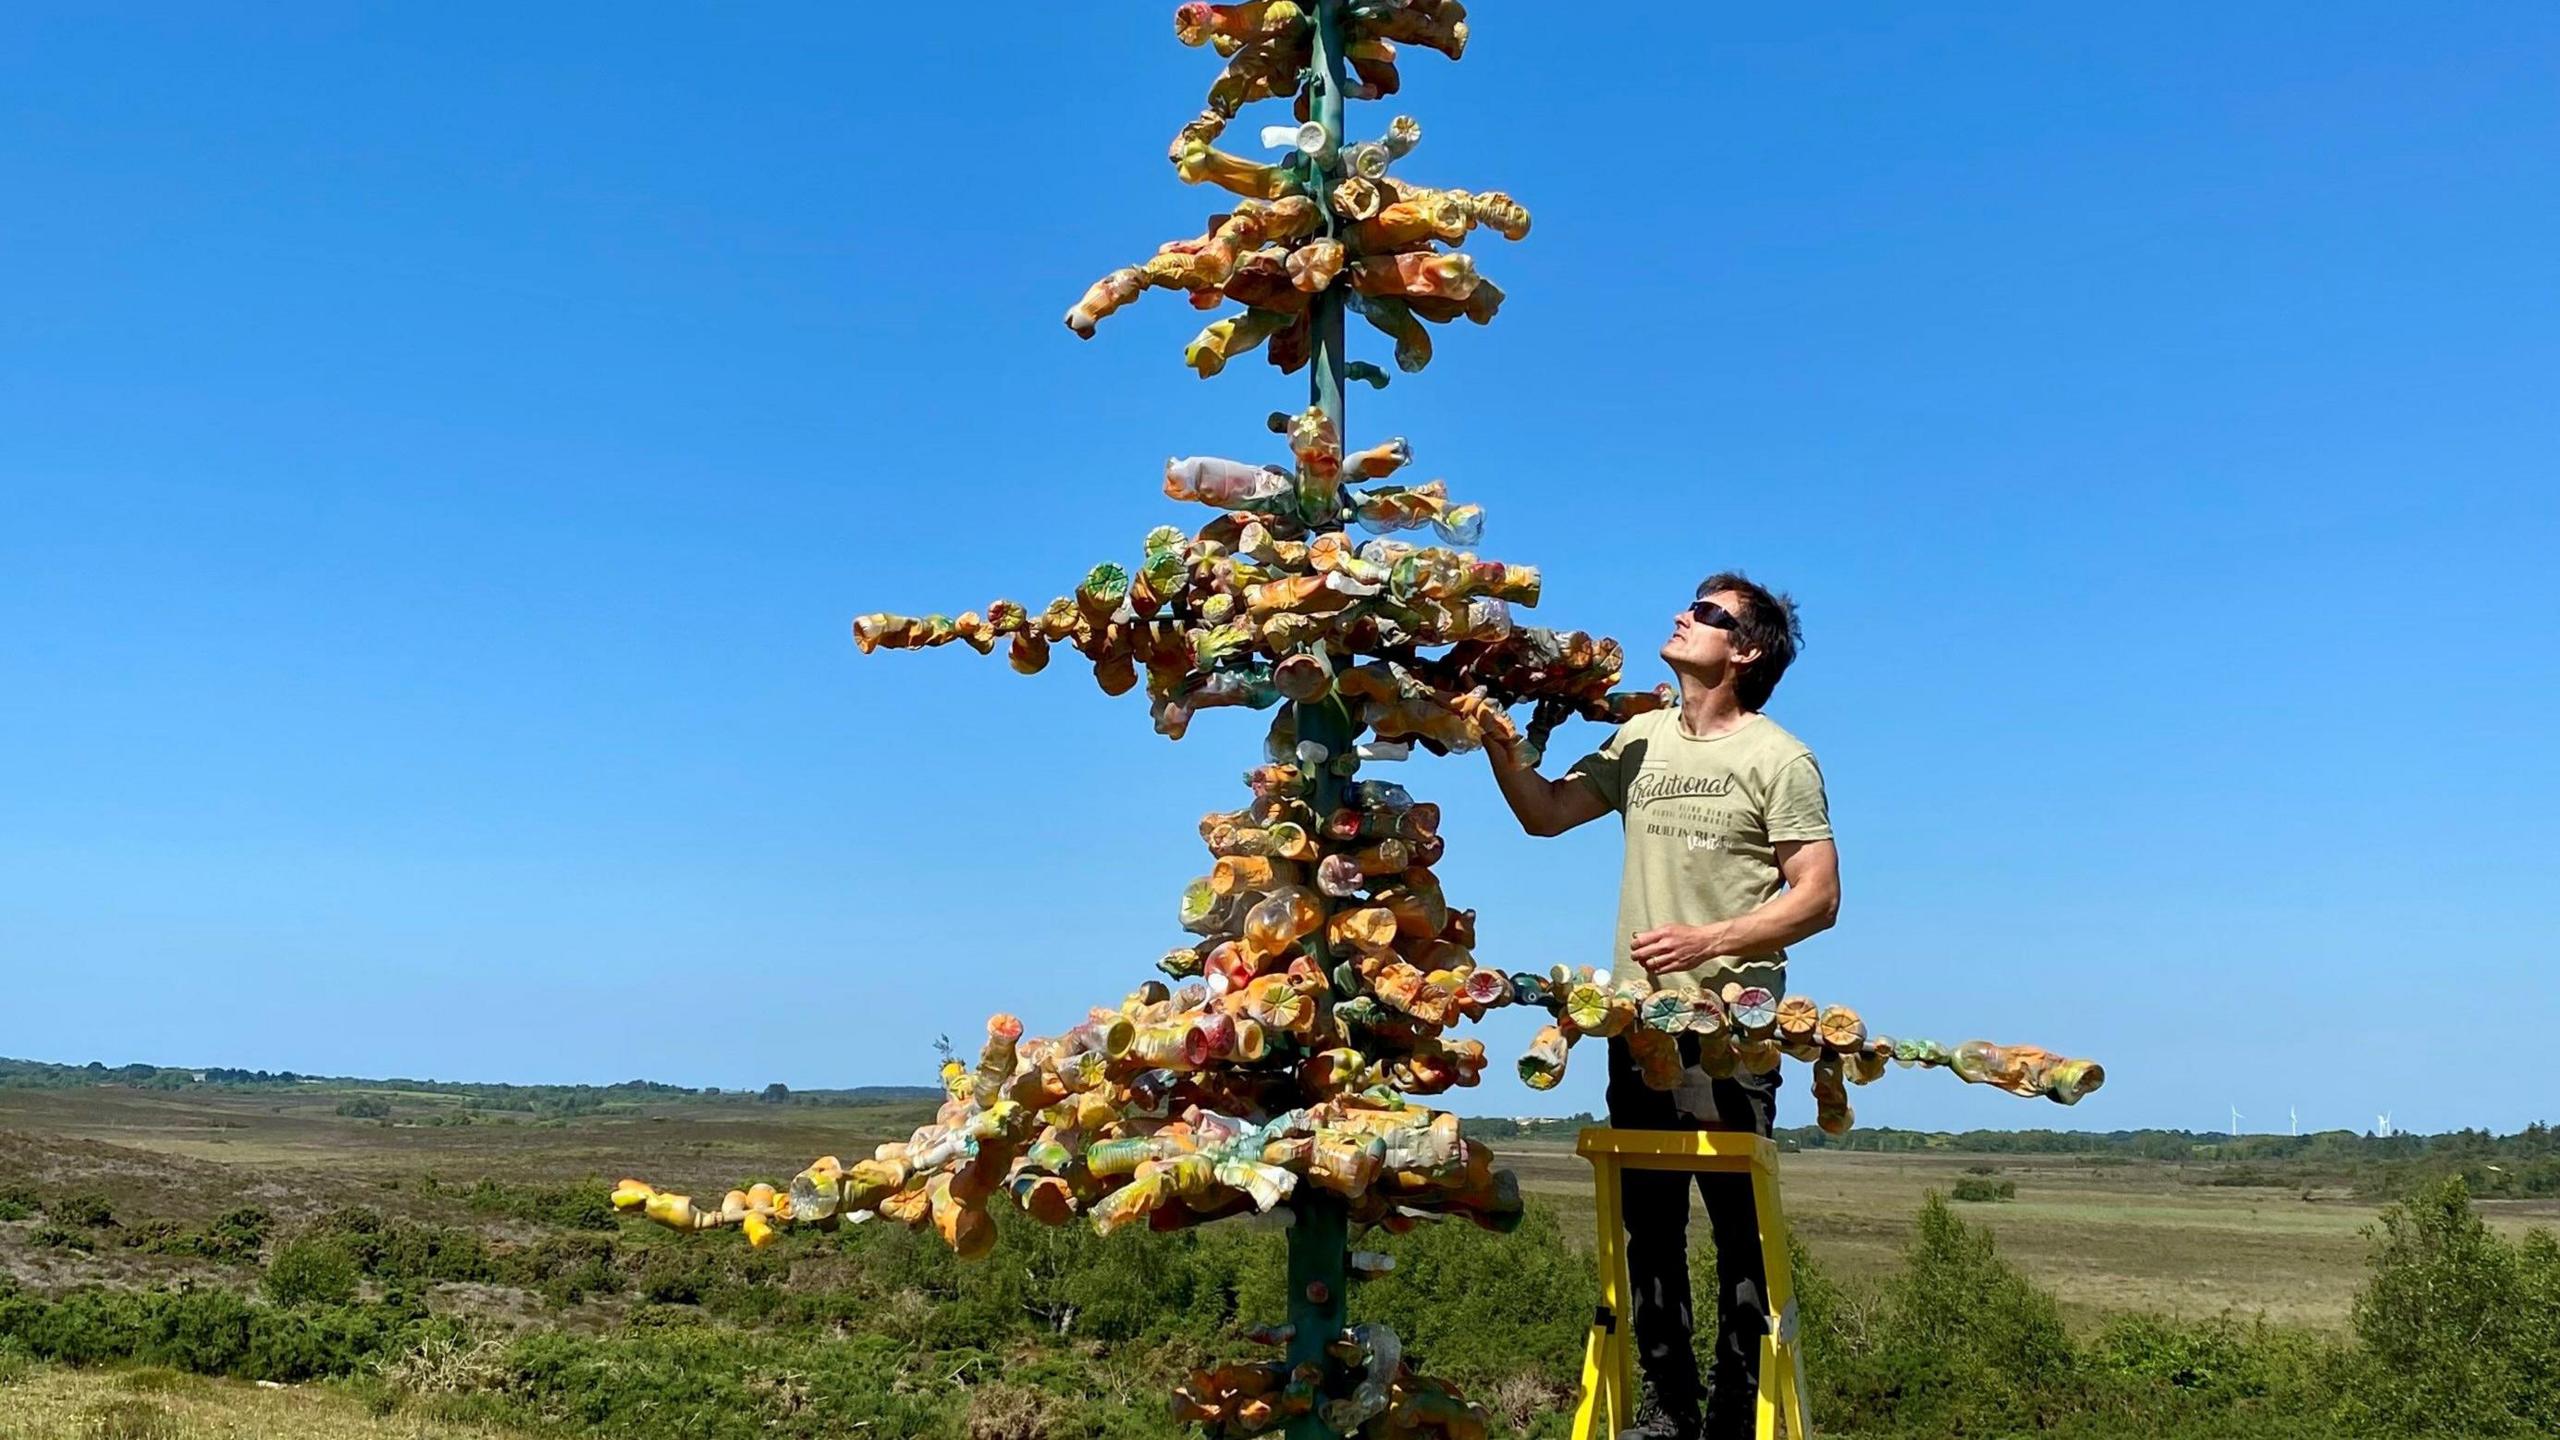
1653 1423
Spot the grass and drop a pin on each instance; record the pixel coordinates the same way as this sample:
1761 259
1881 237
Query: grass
2131 1235
50 1403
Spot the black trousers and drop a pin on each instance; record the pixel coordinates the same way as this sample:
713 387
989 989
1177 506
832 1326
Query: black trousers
1657 1216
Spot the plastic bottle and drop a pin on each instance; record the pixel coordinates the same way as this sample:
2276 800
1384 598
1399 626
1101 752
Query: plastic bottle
1247 685
1370 929
1340 876
1276 1003
1099 594
1666 1010
1378 461
1199 163
1542 1066
1831 1097
1345 1163
1105 296
1751 1009
1657 1057
1379 795
996 1060
1305 677
1252 874
1282 918
1228 966
1222 341
1420 912
1400 507
1226 484
1842 1029
1207 910
1276 781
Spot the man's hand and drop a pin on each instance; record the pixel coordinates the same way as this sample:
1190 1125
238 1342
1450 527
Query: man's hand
1672 948
1807 907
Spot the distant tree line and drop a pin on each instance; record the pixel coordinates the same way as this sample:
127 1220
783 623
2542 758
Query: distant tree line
2522 1165
530 1099
2525 1164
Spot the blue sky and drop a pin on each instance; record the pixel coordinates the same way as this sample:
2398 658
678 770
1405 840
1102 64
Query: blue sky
444 446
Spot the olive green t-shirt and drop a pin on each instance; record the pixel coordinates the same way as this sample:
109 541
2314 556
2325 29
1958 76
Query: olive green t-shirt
1703 819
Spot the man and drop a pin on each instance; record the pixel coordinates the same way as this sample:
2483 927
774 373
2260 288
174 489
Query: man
1729 860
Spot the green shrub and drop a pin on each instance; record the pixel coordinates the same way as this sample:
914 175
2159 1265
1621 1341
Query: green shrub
87 1208
747 1388
210 1332
18 1201
1975 1191
675 1279
236 1235
2217 1361
1479 1307
312 1269
159 1237
233 1239
2464 1324
54 1237
406 1254
1959 1343
1081 1286
585 1206
565 1268
398 1252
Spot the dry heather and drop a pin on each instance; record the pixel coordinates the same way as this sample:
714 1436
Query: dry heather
52 1404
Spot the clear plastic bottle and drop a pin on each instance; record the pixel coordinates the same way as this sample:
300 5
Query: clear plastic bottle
1282 918
1226 484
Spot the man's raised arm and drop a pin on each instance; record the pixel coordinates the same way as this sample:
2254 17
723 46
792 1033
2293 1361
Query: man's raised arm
1546 807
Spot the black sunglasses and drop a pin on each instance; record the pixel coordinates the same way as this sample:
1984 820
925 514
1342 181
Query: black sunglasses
1708 612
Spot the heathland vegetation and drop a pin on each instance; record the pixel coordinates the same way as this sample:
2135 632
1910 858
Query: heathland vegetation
422 1276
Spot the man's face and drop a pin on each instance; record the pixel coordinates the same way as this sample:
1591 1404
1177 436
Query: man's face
1706 645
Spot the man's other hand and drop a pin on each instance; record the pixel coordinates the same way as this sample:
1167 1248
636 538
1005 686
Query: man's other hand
1672 948
1807 907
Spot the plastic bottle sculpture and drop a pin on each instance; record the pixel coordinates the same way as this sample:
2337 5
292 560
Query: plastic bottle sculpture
1280 1061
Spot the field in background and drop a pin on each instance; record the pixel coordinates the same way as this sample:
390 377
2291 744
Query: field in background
2105 1234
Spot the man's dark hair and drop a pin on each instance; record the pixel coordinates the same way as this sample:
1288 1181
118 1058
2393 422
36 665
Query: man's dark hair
1767 623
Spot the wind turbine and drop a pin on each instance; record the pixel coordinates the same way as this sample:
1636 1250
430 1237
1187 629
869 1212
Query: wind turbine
2236 1118
2382 1126
2294 1114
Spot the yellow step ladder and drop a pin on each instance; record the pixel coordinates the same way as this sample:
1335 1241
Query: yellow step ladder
1608 1359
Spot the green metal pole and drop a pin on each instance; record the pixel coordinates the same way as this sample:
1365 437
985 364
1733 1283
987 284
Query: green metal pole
1326 310
1320 1236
